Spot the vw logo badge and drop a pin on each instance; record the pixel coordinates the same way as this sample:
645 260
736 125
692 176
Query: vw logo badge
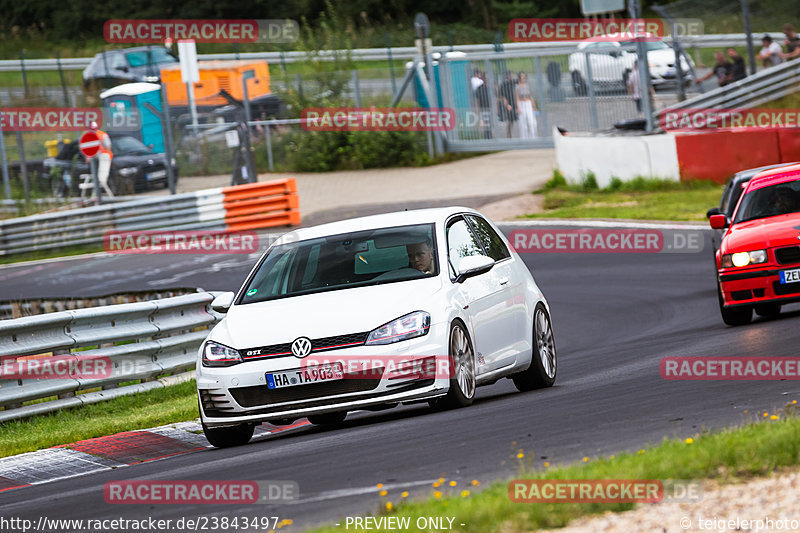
301 347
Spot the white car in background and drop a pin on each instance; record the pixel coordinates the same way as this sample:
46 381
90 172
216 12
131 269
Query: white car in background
393 290
611 62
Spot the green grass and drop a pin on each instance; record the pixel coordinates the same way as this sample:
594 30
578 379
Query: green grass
176 403
48 254
642 198
732 455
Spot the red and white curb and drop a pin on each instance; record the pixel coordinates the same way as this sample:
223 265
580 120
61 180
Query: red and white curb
113 451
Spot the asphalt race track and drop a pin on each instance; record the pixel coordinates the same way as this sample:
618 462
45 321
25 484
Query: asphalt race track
615 316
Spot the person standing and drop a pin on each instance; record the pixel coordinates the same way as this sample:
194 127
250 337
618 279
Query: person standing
508 103
527 108
722 70
634 88
792 42
104 157
482 98
738 66
770 53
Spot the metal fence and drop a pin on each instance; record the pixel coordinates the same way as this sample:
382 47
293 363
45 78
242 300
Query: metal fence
366 54
142 341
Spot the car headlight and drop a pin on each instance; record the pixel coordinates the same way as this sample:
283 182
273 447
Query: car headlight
127 171
406 327
740 259
216 354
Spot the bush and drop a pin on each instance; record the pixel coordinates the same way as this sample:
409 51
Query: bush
589 182
615 184
557 181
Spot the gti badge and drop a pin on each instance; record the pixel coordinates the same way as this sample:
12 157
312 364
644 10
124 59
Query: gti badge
301 347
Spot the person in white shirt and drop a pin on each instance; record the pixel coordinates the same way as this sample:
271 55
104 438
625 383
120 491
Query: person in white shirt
770 53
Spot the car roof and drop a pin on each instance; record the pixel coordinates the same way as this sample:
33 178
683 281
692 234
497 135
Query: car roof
132 49
399 218
746 175
774 176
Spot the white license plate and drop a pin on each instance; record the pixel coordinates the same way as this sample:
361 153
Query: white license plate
303 376
156 175
790 276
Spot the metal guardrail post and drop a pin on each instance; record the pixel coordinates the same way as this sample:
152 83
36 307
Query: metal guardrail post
356 88
541 121
3 155
269 148
590 88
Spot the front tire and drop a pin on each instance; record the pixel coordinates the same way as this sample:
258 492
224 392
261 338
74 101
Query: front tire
227 437
734 316
461 391
542 372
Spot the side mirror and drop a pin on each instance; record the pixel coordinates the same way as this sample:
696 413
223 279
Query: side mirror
473 265
223 302
718 221
713 211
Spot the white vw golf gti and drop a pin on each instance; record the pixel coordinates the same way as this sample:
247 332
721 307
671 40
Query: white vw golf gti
369 313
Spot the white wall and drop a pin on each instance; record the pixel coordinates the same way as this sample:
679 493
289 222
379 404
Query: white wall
625 157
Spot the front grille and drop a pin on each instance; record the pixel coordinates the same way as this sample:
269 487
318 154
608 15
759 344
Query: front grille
261 395
331 401
788 255
785 288
214 401
317 345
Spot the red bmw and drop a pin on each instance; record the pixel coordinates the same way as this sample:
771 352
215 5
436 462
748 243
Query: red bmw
759 258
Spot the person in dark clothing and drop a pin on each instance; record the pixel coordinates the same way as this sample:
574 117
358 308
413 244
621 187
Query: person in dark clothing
738 68
792 42
508 103
482 98
722 71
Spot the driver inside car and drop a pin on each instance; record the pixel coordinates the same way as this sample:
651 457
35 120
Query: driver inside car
420 256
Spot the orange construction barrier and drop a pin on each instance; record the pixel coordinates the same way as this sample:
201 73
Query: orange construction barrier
261 205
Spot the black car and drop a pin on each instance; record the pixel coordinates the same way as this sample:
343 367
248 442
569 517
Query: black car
134 167
730 197
114 67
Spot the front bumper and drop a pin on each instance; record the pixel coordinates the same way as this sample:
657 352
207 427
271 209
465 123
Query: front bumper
239 394
754 286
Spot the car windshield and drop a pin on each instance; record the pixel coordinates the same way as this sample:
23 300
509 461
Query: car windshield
151 56
344 261
770 201
127 145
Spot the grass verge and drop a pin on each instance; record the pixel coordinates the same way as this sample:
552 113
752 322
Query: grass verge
641 198
755 449
176 403
49 254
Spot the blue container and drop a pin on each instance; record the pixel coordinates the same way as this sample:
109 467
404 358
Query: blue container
126 113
